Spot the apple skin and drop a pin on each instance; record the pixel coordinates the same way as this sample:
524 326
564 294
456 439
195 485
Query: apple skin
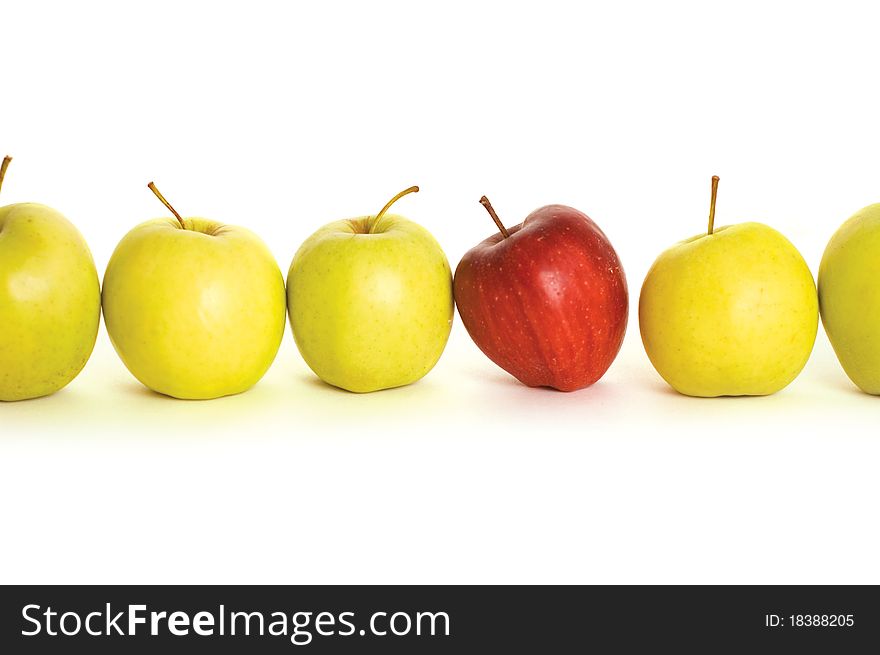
194 313
733 313
849 297
370 303
50 301
548 304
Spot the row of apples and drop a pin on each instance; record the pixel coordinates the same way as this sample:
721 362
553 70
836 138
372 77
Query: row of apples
196 309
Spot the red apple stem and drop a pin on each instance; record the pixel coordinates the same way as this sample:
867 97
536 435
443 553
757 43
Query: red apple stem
3 168
715 179
412 189
152 187
488 205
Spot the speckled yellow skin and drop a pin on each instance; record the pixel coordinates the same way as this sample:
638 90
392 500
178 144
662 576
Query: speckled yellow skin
734 313
50 301
849 297
194 313
370 311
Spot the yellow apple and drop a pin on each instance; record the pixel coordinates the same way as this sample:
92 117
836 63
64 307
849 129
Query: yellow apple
370 301
849 297
194 308
733 312
50 300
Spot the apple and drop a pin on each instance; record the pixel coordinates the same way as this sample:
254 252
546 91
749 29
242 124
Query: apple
849 297
194 308
732 312
50 300
546 300
370 301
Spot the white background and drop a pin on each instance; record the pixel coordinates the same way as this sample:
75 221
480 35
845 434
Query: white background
282 118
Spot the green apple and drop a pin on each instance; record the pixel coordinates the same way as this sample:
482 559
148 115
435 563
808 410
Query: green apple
370 301
50 300
732 312
849 297
194 308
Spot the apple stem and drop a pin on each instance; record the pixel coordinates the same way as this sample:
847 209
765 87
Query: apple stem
152 187
3 168
715 179
488 205
412 189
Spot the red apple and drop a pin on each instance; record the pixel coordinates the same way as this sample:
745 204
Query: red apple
545 300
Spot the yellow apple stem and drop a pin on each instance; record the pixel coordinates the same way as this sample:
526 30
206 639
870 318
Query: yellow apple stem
152 187
488 205
715 179
412 189
3 168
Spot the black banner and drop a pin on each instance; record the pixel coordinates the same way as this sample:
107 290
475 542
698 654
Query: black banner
446 619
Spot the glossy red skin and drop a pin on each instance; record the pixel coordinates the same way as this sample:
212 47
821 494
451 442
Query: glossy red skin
548 304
